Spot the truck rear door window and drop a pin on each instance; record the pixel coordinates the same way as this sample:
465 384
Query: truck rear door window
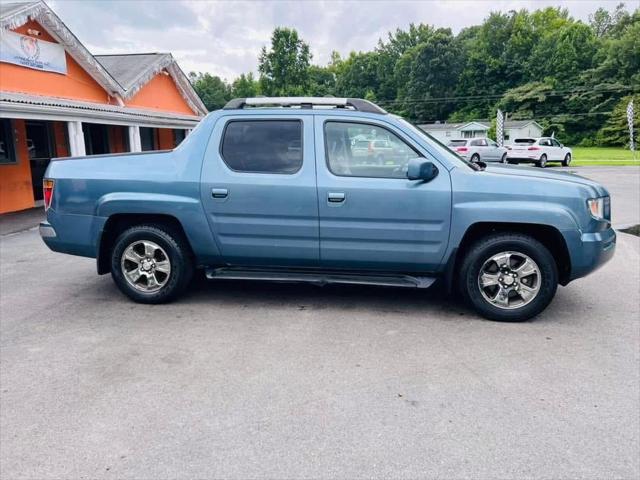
263 146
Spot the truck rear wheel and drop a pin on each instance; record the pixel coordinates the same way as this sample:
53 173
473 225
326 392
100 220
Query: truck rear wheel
508 277
151 263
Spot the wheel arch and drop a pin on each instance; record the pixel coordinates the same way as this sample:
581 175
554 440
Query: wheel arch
548 235
119 222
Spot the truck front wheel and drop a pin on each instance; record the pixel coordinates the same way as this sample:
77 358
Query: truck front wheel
151 263
508 277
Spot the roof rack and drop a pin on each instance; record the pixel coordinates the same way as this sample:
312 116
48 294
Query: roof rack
357 104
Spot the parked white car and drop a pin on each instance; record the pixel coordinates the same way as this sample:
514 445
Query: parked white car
479 150
539 151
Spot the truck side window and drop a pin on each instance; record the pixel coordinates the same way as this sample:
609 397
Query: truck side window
263 146
364 150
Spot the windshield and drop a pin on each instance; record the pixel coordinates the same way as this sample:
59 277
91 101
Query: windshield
525 141
457 143
439 146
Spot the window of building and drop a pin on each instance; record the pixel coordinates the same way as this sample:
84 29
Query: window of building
96 138
364 150
178 136
7 148
263 146
148 139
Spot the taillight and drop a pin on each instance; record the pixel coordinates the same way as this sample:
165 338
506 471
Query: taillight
533 148
47 190
461 149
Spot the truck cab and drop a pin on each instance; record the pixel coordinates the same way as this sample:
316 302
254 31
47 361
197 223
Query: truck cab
281 189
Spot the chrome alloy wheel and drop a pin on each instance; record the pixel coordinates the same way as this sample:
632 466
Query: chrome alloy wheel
509 280
145 266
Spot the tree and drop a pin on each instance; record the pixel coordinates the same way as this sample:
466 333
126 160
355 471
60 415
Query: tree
213 91
284 68
427 74
322 81
615 131
357 75
604 23
245 86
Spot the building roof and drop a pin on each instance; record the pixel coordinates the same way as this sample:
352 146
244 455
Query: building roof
10 9
56 108
127 69
134 70
122 81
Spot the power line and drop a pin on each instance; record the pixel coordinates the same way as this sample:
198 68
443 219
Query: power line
497 96
538 117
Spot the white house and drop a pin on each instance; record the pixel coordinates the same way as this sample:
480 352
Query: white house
512 129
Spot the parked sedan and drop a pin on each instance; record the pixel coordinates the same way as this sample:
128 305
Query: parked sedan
479 150
539 151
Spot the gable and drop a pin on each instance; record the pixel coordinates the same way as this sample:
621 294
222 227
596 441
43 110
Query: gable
474 126
77 84
160 93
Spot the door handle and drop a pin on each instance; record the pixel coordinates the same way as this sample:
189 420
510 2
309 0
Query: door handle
219 192
335 197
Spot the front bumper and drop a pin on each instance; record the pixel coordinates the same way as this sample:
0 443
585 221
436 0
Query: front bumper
590 251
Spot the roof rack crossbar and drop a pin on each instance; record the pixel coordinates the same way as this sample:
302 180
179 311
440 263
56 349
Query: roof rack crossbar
357 104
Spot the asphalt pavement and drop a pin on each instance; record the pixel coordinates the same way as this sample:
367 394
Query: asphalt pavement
256 380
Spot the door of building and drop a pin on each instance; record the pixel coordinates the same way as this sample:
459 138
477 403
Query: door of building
40 147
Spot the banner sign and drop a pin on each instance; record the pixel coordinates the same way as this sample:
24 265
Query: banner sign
630 123
500 128
32 52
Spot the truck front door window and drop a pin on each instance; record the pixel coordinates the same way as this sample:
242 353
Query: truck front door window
364 150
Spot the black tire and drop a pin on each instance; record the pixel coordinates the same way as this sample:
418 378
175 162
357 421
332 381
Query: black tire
484 249
567 160
475 158
504 159
177 251
542 162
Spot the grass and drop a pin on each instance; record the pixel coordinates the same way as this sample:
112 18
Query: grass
610 156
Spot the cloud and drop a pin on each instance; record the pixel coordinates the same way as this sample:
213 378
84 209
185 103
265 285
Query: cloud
225 38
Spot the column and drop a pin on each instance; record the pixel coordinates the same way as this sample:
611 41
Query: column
76 139
134 138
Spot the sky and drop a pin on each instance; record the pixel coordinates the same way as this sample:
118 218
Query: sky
225 38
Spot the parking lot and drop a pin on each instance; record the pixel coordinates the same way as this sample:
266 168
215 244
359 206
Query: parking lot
255 380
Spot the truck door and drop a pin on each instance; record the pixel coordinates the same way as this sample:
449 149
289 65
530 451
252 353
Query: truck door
372 216
259 190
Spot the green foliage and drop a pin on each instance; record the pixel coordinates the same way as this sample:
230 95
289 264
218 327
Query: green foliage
213 91
615 132
572 77
245 86
284 68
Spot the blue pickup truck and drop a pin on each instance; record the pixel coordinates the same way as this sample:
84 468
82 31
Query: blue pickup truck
295 189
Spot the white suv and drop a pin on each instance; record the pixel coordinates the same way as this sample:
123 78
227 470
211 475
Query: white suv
539 151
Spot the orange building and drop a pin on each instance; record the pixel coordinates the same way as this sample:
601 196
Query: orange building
57 100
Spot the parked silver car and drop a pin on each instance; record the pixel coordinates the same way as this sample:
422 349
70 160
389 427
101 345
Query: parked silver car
479 150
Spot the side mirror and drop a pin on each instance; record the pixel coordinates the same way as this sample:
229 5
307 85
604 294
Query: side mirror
421 169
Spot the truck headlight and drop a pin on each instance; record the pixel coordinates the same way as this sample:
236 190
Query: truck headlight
596 207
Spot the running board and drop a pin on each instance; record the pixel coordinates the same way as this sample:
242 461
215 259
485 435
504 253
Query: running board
320 277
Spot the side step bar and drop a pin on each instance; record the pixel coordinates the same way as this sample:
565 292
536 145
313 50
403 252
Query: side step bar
320 277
